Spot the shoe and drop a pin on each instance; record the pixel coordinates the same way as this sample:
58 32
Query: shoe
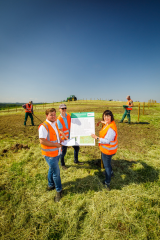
120 121
79 163
107 186
58 196
50 188
64 167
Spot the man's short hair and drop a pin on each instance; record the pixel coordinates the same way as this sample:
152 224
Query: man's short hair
50 110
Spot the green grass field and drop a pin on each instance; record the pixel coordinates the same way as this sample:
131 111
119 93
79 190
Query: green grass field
131 210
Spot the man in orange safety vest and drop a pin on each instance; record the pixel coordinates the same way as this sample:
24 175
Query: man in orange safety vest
28 112
64 125
127 108
50 141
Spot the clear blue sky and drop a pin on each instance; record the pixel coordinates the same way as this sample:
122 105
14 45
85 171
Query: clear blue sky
108 49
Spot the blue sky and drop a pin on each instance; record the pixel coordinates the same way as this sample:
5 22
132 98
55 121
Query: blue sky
50 49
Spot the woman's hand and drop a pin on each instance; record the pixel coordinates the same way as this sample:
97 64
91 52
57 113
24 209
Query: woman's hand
103 122
98 123
94 136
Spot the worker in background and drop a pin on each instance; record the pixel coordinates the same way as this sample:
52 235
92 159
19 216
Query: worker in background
28 112
50 141
127 108
64 124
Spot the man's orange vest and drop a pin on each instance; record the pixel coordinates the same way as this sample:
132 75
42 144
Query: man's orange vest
65 130
110 148
52 137
128 103
28 108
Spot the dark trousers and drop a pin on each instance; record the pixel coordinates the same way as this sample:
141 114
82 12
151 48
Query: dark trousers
107 165
126 113
64 151
31 117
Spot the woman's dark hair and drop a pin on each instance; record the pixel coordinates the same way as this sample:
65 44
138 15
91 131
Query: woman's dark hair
108 112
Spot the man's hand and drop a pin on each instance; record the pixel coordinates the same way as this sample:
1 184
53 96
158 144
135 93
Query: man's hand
63 134
49 144
131 103
59 145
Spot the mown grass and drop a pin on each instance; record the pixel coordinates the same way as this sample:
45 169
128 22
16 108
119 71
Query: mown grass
131 210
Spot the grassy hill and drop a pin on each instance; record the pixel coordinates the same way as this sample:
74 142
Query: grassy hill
131 210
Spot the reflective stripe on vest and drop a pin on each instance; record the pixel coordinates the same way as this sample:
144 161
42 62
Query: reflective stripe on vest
113 148
48 135
113 143
49 150
65 130
110 148
52 137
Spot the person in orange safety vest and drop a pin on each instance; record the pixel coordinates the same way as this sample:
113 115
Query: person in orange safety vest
64 124
50 141
108 144
28 112
128 109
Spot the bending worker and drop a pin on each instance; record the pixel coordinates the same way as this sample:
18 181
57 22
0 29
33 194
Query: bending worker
127 108
108 144
50 141
28 112
64 124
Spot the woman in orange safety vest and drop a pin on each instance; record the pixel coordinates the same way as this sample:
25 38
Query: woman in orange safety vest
108 143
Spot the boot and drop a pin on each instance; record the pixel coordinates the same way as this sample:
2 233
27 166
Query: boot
107 186
58 196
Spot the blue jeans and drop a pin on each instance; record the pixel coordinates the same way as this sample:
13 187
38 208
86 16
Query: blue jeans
64 150
54 178
107 165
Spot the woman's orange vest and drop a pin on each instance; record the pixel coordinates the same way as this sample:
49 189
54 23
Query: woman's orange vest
111 148
52 137
28 108
65 130
128 103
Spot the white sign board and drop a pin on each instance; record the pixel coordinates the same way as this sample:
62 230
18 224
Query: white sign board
82 126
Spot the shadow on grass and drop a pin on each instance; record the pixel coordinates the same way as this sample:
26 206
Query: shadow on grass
136 123
125 173
140 123
128 172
